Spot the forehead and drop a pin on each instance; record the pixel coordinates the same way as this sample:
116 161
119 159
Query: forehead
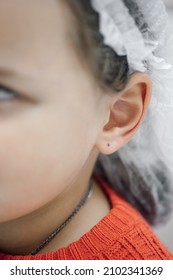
31 29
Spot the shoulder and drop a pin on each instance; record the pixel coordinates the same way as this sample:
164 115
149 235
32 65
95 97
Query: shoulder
124 234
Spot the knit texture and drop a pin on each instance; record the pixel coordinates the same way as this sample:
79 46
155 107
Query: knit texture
121 235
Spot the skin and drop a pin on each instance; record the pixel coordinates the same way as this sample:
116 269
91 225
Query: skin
52 132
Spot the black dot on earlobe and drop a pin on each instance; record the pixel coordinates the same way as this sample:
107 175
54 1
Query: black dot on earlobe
108 145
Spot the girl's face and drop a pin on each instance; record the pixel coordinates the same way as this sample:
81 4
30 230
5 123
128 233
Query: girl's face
49 110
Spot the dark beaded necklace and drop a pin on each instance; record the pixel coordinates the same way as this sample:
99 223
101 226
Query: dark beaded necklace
76 210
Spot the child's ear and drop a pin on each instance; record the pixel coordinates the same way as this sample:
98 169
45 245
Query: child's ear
126 112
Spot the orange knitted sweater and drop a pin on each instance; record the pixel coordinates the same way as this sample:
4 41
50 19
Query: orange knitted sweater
121 235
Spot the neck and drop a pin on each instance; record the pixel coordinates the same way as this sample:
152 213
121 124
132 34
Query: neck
16 237
23 235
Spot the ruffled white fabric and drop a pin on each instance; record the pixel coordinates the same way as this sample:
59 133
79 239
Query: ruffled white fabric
122 34
146 50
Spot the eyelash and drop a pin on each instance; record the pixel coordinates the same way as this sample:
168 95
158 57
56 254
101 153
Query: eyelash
4 91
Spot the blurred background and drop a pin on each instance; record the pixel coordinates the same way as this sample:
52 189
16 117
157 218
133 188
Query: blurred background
169 5
165 232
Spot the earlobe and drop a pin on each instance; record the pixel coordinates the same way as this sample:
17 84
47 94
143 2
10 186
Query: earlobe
126 113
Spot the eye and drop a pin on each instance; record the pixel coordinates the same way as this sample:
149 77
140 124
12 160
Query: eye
6 94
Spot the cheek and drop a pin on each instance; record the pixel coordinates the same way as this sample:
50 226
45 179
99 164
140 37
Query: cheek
39 160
